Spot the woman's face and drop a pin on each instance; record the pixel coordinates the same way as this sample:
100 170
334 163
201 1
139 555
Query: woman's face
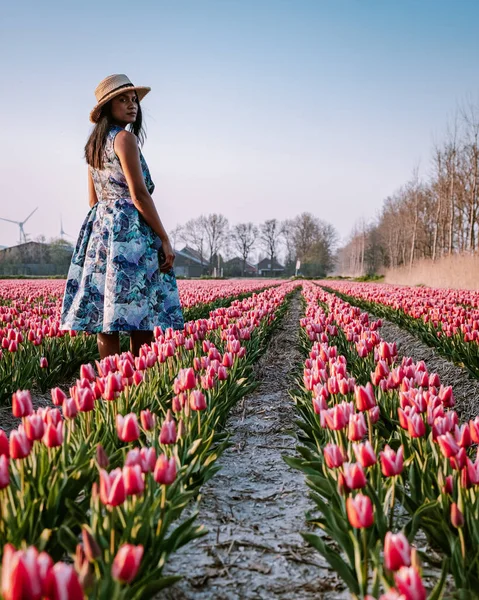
124 108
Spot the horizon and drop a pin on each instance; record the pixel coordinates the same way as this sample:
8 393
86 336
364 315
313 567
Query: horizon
255 112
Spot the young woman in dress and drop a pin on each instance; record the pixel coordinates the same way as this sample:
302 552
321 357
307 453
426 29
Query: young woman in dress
121 276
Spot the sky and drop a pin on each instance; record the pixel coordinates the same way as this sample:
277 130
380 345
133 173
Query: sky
259 109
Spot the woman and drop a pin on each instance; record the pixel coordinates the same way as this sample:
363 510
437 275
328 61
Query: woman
121 276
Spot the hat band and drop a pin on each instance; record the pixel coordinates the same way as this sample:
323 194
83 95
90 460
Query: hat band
114 90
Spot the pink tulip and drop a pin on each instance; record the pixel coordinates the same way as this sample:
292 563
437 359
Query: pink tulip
197 400
63 583
87 372
127 427
53 435
397 551
360 511
449 446
19 445
365 398
354 476
357 428
4 472
187 379
165 470
34 427
133 479
112 487
85 399
43 362
4 449
365 454
127 563
58 396
408 582
333 456
20 574
69 408
102 457
392 462
22 403
147 459
168 432
457 518
415 426
462 435
147 420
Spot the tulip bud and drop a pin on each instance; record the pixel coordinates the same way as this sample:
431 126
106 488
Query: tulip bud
112 487
102 457
43 362
147 420
90 545
457 518
4 472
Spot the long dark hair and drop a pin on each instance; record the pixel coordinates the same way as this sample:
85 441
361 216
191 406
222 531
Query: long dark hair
96 142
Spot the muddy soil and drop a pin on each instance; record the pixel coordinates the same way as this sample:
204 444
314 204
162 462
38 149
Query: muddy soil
254 508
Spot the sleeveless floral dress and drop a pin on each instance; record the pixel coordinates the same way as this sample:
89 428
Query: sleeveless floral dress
114 282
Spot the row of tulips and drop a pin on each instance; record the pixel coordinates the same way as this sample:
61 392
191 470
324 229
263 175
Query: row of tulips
443 318
105 473
33 348
385 455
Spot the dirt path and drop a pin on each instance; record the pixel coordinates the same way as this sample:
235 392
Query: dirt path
255 507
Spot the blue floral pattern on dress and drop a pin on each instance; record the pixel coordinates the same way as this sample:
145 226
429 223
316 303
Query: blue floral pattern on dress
114 282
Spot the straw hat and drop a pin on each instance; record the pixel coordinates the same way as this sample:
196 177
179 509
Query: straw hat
112 86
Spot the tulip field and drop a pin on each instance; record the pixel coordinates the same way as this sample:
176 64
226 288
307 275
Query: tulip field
97 489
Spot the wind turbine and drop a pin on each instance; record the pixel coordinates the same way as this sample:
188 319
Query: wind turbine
23 237
62 233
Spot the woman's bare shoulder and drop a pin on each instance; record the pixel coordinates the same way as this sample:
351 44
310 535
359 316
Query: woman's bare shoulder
125 141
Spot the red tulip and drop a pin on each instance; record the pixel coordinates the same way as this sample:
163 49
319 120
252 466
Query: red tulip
462 435
34 427
365 454
397 551
58 396
354 476
112 487
357 428
87 372
20 446
197 400
415 426
4 472
408 582
187 379
20 574
53 435
449 446
364 396
168 432
127 563
62 583
147 420
127 427
52 416
333 456
165 470
43 362
360 511
85 399
133 479
392 462
4 450
22 403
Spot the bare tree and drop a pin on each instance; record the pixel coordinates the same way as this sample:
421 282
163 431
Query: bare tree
176 234
216 228
194 235
244 236
270 232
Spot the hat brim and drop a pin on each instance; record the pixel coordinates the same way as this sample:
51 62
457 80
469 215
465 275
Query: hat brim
141 92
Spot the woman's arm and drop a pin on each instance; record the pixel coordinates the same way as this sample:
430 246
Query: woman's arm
91 191
126 148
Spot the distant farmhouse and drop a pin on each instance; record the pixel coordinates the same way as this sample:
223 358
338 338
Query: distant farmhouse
234 268
188 263
36 258
266 270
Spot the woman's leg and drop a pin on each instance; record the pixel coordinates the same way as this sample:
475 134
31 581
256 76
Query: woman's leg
108 344
138 338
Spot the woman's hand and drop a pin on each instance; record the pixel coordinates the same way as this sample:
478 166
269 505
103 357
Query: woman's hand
169 257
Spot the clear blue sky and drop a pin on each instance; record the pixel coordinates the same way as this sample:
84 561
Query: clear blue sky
258 109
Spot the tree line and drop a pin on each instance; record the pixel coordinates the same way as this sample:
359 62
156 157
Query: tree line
426 218
305 238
